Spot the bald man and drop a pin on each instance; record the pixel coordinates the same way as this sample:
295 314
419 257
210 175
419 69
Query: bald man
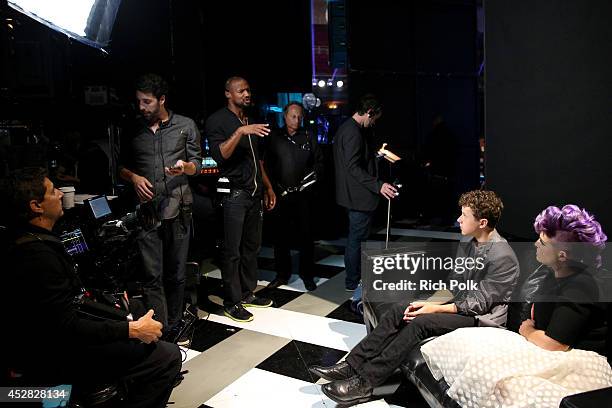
233 139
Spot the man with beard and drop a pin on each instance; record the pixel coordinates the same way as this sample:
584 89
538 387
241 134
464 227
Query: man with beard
233 140
164 150
291 154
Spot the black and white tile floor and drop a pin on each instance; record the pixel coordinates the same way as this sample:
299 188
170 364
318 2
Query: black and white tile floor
264 363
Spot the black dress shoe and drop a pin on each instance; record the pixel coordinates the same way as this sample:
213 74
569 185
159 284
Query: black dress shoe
349 392
276 283
309 284
340 371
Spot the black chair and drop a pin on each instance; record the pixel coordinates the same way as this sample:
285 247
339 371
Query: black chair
434 392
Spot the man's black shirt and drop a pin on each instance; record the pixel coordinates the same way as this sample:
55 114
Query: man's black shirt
289 158
40 287
242 167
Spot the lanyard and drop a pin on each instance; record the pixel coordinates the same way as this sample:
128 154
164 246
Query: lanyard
304 146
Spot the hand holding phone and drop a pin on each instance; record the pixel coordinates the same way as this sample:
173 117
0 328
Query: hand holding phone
177 169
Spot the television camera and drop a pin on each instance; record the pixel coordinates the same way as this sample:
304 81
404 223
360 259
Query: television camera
108 264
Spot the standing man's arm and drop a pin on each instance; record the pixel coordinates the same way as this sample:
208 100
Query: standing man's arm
269 196
224 148
352 152
142 186
193 153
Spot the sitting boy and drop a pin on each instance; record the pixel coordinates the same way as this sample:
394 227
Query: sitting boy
404 326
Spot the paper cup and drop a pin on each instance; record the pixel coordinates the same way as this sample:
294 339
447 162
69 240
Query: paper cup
68 198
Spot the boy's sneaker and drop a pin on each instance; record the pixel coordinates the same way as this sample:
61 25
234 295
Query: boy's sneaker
255 301
238 313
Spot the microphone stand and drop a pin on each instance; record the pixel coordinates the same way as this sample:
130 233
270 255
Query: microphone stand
392 159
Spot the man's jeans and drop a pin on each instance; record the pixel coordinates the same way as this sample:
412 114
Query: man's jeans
359 230
386 348
164 255
242 220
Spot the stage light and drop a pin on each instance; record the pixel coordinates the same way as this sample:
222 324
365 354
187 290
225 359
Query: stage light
89 21
340 84
330 83
314 82
274 108
321 83
310 101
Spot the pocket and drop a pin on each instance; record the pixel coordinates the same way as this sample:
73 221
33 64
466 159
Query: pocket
235 194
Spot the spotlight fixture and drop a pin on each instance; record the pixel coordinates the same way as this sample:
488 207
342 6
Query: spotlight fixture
88 21
314 81
330 83
321 83
310 101
340 84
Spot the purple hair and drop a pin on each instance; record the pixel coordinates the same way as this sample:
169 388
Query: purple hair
572 224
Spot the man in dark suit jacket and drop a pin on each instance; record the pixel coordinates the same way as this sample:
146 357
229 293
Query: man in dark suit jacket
357 185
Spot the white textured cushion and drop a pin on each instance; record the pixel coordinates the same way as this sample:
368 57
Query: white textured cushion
490 367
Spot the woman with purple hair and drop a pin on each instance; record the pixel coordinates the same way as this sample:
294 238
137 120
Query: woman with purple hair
555 353
566 312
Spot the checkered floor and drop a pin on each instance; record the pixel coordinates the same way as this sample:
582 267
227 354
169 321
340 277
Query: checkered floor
264 363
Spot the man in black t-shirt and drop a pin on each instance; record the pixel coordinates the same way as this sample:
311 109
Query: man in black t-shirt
233 141
291 155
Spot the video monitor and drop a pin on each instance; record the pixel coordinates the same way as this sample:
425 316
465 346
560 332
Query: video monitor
99 207
74 242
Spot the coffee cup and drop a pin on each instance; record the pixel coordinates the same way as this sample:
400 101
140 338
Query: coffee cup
68 198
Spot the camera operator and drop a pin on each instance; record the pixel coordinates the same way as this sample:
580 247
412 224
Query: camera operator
49 340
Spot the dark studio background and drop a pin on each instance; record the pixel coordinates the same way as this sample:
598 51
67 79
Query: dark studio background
547 85
421 57
549 107
195 45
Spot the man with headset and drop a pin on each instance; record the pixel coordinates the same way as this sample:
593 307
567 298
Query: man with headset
357 185
163 150
291 155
